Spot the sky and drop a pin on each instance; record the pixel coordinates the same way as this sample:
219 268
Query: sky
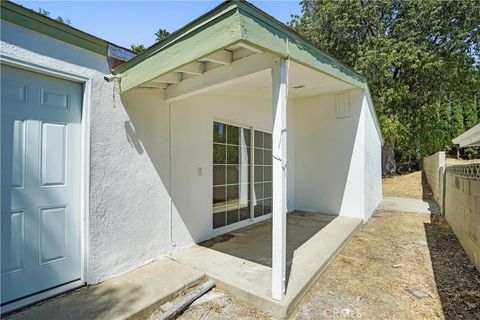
135 22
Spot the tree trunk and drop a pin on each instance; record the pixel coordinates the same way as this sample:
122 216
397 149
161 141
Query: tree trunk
389 165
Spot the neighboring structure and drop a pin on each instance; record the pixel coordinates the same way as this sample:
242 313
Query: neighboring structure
189 141
462 207
456 189
470 138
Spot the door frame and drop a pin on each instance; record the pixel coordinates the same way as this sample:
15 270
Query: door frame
84 176
252 220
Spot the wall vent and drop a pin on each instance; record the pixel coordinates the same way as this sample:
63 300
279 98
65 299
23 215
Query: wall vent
342 105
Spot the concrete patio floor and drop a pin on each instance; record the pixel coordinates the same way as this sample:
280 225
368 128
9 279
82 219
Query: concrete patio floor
240 261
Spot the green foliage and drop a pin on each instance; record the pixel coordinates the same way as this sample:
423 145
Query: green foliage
161 34
421 59
60 19
138 48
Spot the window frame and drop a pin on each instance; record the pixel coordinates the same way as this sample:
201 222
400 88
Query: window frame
251 181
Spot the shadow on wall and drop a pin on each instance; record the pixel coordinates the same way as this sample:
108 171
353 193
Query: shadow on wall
132 137
325 159
457 280
148 133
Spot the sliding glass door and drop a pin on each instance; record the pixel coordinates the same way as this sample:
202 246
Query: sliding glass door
231 174
232 167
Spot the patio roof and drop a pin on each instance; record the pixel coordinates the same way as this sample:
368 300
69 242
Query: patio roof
214 38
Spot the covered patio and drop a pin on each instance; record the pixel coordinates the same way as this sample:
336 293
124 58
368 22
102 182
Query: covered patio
293 130
240 261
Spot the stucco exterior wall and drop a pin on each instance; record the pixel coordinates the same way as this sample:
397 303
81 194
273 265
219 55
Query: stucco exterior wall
462 208
373 162
330 164
128 201
433 168
191 123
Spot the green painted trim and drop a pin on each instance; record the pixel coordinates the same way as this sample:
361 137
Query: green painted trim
212 31
29 19
215 35
268 32
196 25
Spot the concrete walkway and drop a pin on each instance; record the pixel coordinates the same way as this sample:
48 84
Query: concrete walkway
134 295
408 205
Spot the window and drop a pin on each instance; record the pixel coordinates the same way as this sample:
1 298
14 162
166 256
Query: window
262 173
232 166
231 174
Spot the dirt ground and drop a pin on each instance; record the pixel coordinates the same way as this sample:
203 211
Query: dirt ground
397 266
407 185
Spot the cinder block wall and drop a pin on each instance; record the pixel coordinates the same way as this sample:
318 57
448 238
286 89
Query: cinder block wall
462 207
433 167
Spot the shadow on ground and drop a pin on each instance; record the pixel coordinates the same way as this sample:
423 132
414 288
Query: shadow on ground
254 243
94 302
457 280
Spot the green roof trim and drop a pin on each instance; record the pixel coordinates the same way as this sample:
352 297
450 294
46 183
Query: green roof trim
229 23
32 20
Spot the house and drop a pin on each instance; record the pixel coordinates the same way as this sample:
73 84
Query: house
110 161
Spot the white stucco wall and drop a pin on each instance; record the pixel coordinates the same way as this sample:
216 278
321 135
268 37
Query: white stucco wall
192 150
324 148
373 162
128 200
336 158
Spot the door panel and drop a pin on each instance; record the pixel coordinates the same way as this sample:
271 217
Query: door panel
40 175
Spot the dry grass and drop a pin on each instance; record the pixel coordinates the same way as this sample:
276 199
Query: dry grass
370 278
453 161
408 185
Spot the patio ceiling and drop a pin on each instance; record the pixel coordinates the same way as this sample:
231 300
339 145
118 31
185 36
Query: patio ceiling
302 82
232 31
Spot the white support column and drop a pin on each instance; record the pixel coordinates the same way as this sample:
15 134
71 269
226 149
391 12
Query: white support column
279 189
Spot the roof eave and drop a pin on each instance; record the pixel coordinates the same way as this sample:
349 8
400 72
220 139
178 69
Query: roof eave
229 23
32 20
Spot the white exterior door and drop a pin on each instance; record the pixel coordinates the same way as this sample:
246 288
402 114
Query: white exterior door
40 177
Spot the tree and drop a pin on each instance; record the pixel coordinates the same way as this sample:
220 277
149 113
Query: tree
420 59
137 48
161 34
60 19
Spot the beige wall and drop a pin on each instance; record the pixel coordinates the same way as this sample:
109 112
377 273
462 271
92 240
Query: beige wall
462 208
433 167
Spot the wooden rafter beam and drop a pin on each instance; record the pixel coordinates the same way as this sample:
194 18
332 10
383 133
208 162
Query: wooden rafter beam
195 68
222 57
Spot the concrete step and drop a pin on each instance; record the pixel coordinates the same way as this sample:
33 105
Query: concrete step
134 295
251 281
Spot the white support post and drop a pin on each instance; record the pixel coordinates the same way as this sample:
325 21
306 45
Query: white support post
279 189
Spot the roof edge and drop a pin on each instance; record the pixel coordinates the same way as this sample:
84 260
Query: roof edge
179 34
27 18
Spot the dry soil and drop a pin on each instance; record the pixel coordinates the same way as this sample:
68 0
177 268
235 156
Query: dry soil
399 265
